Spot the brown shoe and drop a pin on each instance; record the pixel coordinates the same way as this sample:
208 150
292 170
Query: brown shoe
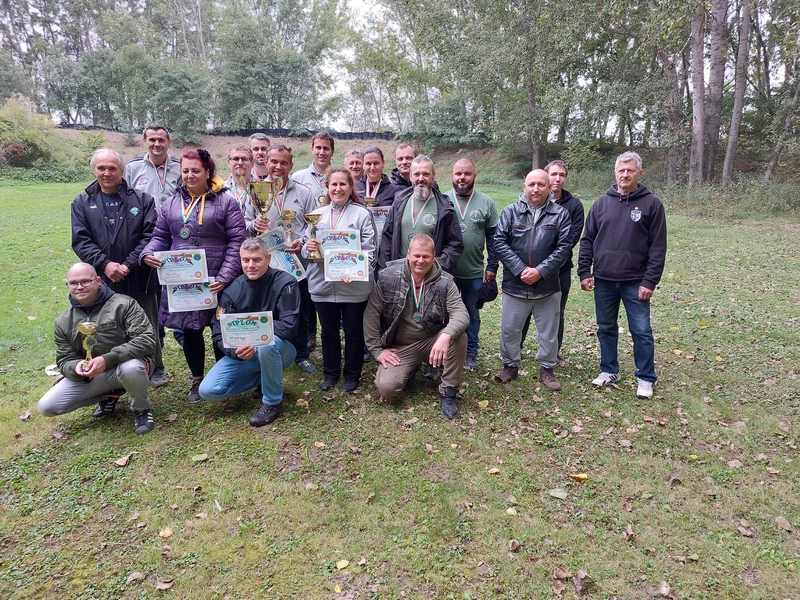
548 378
507 374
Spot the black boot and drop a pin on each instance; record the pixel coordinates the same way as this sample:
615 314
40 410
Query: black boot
449 406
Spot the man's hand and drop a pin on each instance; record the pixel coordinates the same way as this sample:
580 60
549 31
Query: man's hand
645 293
294 247
489 276
312 245
95 367
261 224
245 352
530 275
388 356
115 271
216 287
587 285
151 261
439 351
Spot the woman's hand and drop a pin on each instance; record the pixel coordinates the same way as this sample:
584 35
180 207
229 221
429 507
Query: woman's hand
216 287
151 261
312 246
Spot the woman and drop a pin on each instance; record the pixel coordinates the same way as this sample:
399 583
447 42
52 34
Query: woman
341 301
375 184
201 214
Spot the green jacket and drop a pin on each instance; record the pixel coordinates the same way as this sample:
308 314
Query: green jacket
124 332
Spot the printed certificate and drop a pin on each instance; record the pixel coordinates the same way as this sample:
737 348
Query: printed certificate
246 329
380 214
286 261
346 263
339 239
185 297
182 266
275 238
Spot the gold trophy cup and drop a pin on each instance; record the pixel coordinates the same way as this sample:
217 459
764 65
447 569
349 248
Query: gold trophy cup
312 220
264 193
287 216
88 328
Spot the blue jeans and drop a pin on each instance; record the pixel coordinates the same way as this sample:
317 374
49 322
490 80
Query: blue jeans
607 295
469 289
231 376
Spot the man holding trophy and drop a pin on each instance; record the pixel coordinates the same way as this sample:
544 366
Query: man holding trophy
104 344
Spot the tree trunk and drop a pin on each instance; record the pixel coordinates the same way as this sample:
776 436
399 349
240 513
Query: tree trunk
698 99
716 83
738 95
764 84
674 108
781 141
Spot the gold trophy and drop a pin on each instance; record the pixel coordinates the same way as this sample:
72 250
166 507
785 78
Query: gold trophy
264 193
312 220
287 216
88 328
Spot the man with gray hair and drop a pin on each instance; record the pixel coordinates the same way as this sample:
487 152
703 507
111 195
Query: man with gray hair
111 224
259 146
621 258
422 208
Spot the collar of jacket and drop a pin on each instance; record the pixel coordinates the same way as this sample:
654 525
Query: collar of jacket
93 189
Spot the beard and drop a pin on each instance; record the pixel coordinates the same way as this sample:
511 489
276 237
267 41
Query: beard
463 191
421 193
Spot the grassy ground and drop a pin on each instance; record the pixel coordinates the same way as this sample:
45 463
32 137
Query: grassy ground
413 502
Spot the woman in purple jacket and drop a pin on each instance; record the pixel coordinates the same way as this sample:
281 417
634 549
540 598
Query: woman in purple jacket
201 214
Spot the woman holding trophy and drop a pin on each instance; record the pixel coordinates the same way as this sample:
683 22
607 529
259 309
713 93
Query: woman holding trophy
375 187
339 284
202 214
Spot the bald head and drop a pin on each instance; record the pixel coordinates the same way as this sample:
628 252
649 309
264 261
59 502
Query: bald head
464 176
107 166
83 283
537 187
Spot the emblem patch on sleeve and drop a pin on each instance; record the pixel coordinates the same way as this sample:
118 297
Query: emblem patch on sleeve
220 312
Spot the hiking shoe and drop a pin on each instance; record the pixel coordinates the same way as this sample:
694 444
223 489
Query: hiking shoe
307 367
328 382
159 378
644 389
471 363
604 379
350 385
548 378
449 406
194 393
434 373
106 407
311 342
266 414
367 356
507 374
143 420
562 362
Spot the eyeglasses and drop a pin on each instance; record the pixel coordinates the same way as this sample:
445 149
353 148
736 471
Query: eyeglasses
81 283
238 159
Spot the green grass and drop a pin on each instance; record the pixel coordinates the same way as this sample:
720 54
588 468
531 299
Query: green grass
428 522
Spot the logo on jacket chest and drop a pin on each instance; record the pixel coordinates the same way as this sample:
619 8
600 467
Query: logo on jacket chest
135 211
636 215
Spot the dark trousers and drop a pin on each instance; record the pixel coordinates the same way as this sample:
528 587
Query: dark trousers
194 349
565 279
300 341
350 315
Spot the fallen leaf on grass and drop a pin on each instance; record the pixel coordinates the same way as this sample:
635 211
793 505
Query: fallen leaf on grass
200 457
135 576
582 582
337 589
579 476
174 506
201 515
319 444
783 523
625 443
674 481
57 435
514 545
431 449
735 464
773 471
511 511
165 533
342 564
511 499
363 561
52 370
164 584
355 449
411 421
31 318
493 471
134 516
559 573
302 402
123 462
171 417
746 529
141 525
692 557
680 559
628 507
25 416
558 588
483 403
18 435
311 486
664 589
558 493
628 533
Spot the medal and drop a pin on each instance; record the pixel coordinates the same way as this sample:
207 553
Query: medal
417 317
187 213
410 236
463 227
184 233
322 199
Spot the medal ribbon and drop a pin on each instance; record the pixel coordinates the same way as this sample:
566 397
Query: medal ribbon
162 182
417 297
374 193
463 214
281 197
413 218
240 198
317 181
339 216
187 212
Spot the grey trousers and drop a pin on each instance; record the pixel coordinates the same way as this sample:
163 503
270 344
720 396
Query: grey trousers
546 313
149 304
68 395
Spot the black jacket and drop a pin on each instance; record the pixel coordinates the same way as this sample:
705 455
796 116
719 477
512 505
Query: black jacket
398 180
96 244
575 209
446 234
625 238
520 244
275 291
385 193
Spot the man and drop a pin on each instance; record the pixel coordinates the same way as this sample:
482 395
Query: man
401 174
477 217
532 242
240 162
415 313
259 146
299 199
123 341
322 148
260 289
622 254
354 161
111 225
422 209
156 173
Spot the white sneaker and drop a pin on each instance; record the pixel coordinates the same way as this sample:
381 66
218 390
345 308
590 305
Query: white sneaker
644 389
603 378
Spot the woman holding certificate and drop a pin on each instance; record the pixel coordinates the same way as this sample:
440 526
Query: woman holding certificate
201 215
375 187
341 281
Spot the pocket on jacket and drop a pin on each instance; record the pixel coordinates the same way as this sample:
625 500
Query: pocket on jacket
615 262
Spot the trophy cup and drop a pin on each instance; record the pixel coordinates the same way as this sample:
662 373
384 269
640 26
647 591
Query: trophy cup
312 219
262 196
88 328
287 216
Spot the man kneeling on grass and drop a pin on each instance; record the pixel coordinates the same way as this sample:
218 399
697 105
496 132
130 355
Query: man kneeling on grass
260 289
122 342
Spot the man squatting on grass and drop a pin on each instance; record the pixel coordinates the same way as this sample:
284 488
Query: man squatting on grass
121 357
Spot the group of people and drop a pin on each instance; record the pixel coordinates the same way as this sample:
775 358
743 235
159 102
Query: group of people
432 263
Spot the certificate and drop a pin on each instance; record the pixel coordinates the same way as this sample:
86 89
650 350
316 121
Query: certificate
246 329
346 263
380 214
339 239
289 262
185 297
182 266
275 238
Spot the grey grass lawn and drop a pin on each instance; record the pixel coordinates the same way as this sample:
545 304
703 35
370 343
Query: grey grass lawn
344 497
